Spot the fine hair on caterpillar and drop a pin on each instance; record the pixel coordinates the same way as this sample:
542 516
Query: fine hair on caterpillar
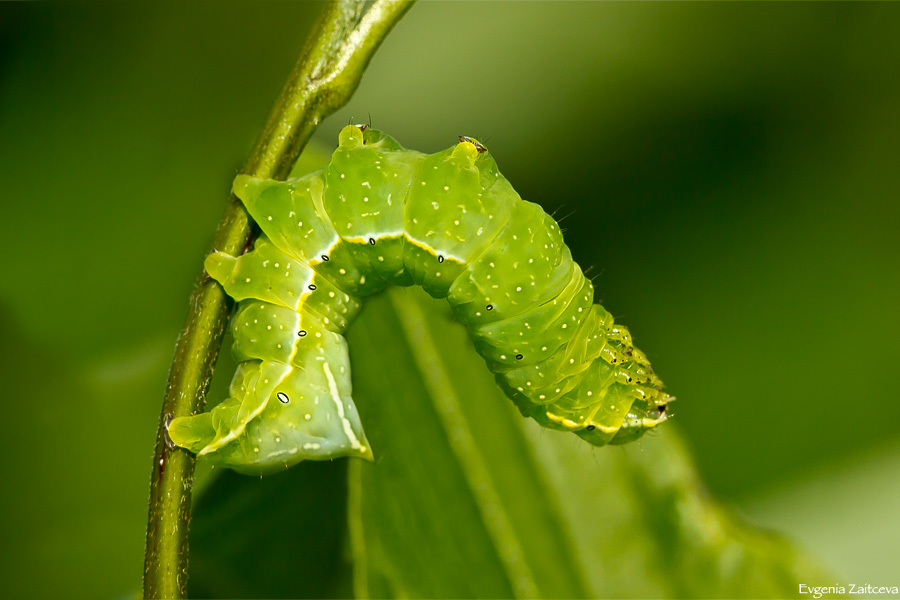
377 215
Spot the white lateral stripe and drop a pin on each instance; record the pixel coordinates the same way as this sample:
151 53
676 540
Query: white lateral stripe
332 387
435 251
376 235
234 433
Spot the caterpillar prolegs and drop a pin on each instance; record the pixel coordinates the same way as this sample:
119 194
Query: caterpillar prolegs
378 215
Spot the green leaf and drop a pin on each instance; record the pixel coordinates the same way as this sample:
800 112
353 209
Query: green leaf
468 499
280 536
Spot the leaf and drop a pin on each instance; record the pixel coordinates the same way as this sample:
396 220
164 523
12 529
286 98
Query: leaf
280 536
468 499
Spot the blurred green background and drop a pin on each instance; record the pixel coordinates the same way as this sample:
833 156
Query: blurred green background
730 171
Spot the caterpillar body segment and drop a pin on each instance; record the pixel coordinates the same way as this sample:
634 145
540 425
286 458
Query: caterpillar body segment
380 215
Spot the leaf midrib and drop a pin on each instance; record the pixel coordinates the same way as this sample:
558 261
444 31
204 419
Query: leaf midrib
501 527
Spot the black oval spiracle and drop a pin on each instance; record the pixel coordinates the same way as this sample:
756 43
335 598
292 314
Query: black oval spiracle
302 333
312 287
283 397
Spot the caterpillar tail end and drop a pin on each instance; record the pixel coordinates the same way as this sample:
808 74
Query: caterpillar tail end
245 185
242 438
192 433
207 432
261 195
220 266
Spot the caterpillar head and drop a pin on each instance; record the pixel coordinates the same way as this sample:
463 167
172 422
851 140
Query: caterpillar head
643 417
626 413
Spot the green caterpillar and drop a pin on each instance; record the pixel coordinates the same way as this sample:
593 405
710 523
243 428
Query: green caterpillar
378 215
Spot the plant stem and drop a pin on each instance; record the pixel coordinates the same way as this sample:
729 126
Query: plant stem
328 72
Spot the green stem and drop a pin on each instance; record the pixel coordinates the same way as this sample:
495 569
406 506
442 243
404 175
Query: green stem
328 72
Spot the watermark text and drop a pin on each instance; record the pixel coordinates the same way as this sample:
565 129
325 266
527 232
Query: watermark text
819 591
